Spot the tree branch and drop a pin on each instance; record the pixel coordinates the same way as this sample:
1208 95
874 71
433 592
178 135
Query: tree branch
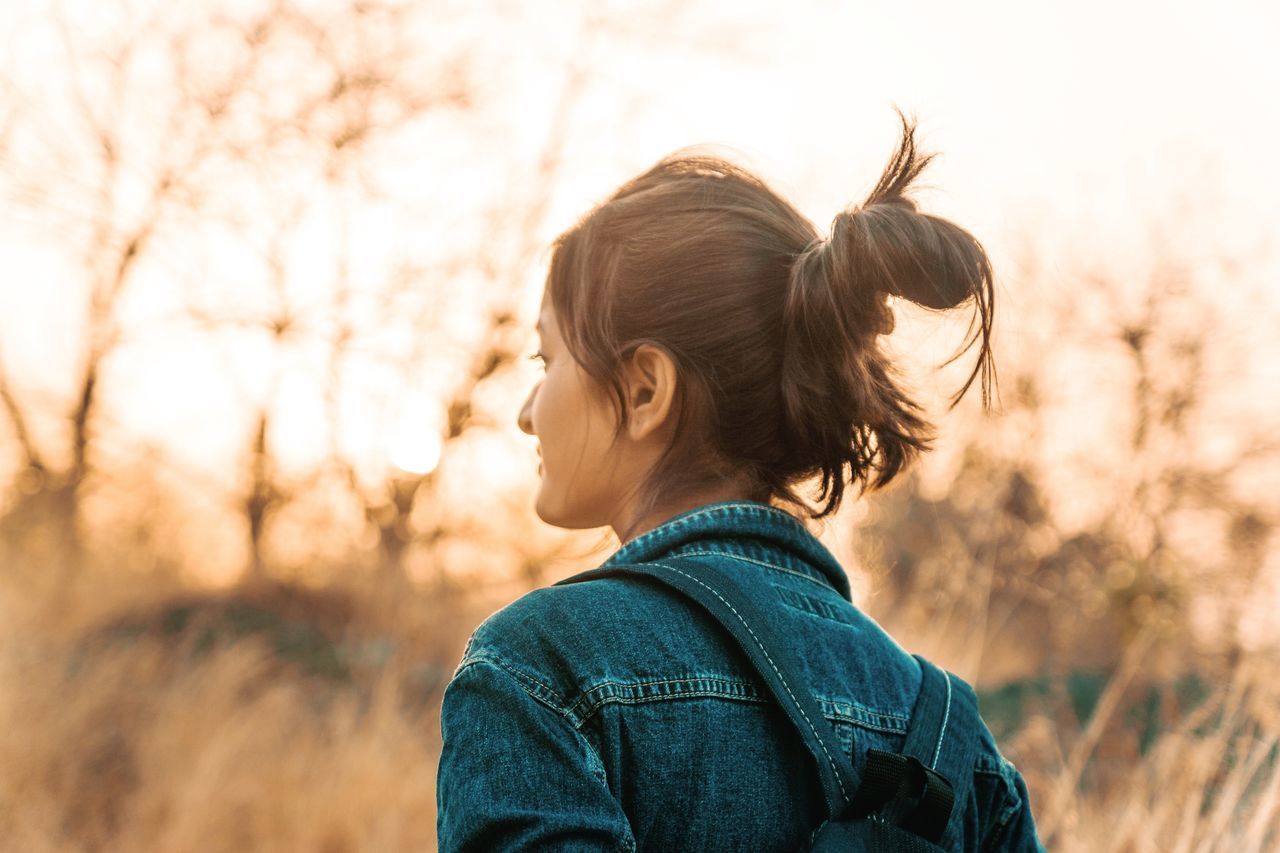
31 455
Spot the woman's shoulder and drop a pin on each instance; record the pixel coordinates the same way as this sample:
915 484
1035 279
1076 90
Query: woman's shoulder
560 614
567 636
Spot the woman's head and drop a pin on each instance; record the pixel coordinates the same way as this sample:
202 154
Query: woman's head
700 302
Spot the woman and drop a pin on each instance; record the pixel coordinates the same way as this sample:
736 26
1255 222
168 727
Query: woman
707 352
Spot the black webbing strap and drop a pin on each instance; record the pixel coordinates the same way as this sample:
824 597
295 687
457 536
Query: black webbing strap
891 776
943 736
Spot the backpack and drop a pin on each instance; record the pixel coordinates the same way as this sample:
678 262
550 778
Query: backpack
903 801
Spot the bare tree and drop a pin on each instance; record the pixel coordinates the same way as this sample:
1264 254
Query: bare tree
992 557
147 154
183 119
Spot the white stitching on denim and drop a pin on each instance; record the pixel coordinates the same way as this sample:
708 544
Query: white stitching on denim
505 667
643 700
554 703
946 715
681 680
858 715
681 522
765 651
572 709
738 505
809 578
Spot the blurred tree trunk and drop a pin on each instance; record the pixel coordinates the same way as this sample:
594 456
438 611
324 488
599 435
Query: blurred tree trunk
149 150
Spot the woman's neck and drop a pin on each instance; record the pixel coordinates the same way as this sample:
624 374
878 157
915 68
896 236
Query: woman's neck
633 527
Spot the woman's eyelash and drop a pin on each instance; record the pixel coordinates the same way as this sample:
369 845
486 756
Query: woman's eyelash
538 356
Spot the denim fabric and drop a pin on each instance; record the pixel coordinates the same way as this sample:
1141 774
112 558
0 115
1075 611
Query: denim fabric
612 715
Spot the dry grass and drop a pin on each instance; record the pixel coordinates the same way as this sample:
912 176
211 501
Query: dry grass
1210 784
142 741
153 739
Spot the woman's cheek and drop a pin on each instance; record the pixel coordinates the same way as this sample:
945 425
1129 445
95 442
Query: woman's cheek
541 415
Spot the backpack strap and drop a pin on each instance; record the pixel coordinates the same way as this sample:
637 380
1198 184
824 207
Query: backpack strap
754 634
943 736
934 771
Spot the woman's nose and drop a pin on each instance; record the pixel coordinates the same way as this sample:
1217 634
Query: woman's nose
525 419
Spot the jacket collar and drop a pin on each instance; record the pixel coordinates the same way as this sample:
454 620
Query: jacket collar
749 529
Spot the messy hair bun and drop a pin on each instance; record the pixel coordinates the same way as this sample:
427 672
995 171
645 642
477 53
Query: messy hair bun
774 328
841 405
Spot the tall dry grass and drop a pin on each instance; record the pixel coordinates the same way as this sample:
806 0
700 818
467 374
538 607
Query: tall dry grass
1212 783
125 728
190 721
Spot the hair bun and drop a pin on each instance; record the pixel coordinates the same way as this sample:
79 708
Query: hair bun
887 247
842 406
902 252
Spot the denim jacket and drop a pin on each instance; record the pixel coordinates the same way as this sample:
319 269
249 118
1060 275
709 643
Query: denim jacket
614 715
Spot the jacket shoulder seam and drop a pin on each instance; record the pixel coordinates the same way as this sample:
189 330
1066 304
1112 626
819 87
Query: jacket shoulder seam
657 690
535 687
545 696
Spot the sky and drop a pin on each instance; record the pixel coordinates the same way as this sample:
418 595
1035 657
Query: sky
1097 133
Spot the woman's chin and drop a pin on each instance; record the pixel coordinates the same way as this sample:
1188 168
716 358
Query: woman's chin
543 508
554 513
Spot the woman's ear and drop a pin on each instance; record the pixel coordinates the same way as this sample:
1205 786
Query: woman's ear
650 377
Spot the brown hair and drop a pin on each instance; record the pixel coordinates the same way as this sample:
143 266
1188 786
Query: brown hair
773 328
